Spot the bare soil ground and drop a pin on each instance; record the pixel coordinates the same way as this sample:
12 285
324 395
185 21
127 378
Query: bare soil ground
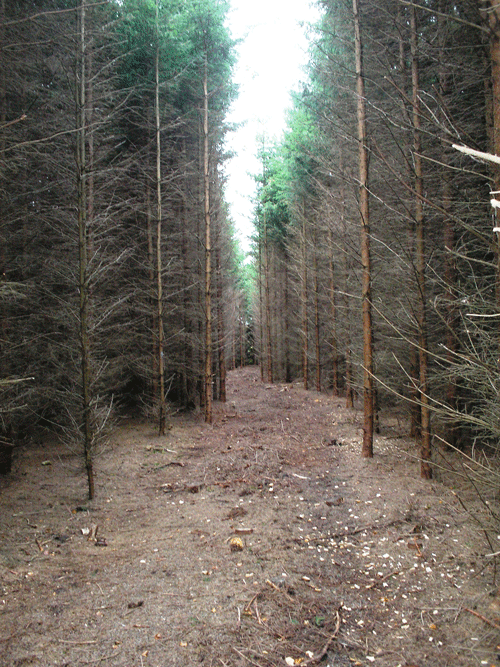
261 540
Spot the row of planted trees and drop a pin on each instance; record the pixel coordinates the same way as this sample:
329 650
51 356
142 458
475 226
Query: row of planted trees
378 263
118 264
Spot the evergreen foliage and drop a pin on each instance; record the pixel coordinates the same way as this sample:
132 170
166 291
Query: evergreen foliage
433 251
116 242
99 305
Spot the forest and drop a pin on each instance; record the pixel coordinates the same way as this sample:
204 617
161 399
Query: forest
120 283
378 257
375 271
286 457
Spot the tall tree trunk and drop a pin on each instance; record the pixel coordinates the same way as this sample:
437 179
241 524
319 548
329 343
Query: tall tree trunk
159 287
4 364
449 229
267 296
425 436
233 346
413 363
208 254
221 347
491 16
317 326
368 408
242 340
83 274
305 322
288 370
261 312
200 283
333 315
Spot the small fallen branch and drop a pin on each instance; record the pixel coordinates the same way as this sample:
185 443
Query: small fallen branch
319 656
256 664
259 620
483 618
280 590
246 609
380 581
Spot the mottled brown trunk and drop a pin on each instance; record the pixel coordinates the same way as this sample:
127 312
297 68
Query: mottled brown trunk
90 147
199 353
367 449
267 296
317 324
242 341
159 280
413 361
305 321
494 24
261 313
449 230
221 346
208 255
288 370
233 346
4 329
83 274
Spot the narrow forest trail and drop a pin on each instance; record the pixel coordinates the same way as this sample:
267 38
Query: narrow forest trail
343 561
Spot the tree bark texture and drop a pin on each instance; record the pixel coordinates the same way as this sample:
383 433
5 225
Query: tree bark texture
288 369
262 355
159 286
208 254
317 322
221 346
83 274
367 448
492 18
4 332
450 276
305 319
267 296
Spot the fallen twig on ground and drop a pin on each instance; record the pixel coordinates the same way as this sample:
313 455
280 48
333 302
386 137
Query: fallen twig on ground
256 664
483 618
319 656
380 581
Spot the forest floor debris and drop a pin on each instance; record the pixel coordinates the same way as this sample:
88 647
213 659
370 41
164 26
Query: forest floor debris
261 540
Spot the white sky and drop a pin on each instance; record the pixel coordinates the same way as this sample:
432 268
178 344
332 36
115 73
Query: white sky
270 65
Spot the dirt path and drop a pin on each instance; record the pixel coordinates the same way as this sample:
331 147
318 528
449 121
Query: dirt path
341 561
